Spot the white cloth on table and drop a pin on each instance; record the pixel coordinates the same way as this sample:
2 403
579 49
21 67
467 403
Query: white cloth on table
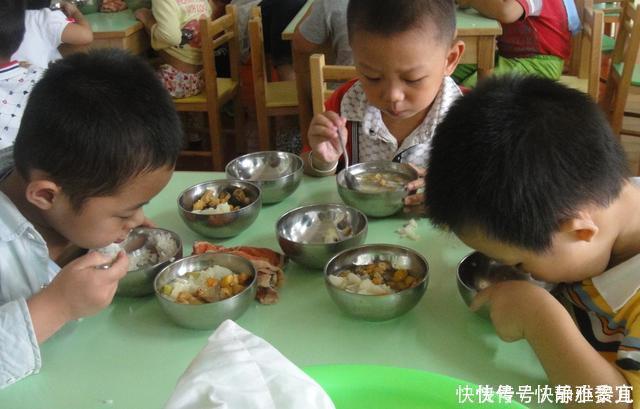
238 370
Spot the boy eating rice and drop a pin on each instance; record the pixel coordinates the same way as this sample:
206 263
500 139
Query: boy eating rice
99 138
528 172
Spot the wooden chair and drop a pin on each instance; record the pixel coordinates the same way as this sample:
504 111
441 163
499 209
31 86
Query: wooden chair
273 98
612 10
321 74
584 69
624 75
217 90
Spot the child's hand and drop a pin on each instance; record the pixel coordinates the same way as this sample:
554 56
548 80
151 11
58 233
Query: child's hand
416 186
513 306
323 136
145 16
84 289
69 9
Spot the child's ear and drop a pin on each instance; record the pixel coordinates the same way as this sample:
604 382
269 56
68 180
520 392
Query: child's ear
42 193
582 226
453 56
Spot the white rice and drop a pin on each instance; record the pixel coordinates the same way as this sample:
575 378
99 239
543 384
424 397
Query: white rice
409 230
160 247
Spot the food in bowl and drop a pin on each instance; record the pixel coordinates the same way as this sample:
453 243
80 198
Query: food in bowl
374 182
373 279
212 284
224 202
158 247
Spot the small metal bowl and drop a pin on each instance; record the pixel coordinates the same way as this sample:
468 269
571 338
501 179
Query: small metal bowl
278 174
477 272
376 203
311 235
222 225
139 280
206 316
378 307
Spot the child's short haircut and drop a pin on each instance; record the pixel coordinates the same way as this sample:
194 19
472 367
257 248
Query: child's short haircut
11 26
519 155
386 17
96 120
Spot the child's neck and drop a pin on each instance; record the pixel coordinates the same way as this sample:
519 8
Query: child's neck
14 186
627 218
400 128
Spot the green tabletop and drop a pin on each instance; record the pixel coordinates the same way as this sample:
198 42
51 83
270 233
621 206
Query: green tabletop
122 21
470 22
130 355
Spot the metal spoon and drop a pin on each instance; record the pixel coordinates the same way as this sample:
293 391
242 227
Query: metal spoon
350 179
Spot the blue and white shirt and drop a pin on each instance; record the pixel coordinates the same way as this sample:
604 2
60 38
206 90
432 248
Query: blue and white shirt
25 267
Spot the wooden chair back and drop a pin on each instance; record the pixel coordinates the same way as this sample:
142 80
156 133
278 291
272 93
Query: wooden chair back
321 74
623 62
217 90
584 71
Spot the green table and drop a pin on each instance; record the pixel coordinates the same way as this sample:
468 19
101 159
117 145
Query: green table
114 30
130 355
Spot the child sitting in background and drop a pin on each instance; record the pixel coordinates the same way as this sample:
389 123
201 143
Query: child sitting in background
181 71
16 79
529 173
326 21
99 139
46 29
535 38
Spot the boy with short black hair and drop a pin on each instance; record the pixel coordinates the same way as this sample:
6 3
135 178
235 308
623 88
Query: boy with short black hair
99 139
16 79
404 52
529 172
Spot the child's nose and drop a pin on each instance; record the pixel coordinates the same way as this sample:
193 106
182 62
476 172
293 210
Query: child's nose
395 93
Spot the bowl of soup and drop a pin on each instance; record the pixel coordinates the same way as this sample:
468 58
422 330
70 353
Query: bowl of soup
380 189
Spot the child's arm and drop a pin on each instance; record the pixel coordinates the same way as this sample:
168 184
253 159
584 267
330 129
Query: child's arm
79 290
163 24
79 32
523 310
505 11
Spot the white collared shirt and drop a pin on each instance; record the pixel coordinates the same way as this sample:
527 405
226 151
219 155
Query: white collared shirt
25 267
370 138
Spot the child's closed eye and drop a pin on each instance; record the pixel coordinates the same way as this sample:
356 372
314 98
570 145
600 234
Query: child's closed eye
414 81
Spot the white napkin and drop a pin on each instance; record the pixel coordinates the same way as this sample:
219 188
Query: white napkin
238 370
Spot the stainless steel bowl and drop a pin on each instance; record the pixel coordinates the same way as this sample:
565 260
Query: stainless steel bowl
378 307
278 174
221 225
206 316
376 204
311 235
477 271
139 280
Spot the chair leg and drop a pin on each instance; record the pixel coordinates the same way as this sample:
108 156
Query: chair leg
215 130
238 120
264 132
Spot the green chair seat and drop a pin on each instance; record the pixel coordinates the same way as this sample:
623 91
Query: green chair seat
635 78
608 43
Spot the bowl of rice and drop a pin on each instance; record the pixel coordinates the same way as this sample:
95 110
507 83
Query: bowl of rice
158 248
202 291
220 208
377 282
